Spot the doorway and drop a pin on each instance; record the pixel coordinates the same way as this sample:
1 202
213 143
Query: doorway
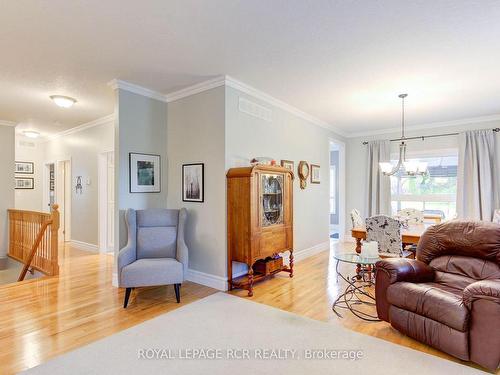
106 201
57 189
337 190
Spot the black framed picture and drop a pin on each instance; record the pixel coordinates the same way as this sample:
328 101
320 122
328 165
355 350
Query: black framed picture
144 173
193 181
23 183
24 167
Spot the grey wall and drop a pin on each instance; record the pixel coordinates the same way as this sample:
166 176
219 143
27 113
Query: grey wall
196 134
285 137
7 187
357 165
30 199
141 127
82 148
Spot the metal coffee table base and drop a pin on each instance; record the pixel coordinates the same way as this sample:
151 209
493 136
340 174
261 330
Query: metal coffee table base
355 295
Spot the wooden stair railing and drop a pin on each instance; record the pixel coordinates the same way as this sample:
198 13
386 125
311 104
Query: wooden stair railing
33 240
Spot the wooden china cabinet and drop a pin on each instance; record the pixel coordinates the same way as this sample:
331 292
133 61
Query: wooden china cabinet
259 222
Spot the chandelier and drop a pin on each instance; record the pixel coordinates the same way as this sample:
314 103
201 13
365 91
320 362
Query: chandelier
411 168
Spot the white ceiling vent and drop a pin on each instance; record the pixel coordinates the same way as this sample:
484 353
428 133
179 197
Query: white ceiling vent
27 144
254 109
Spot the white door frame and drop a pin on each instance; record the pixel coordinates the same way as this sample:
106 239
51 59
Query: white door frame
102 198
342 185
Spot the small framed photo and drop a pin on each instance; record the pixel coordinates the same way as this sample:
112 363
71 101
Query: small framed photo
287 164
144 171
24 183
25 167
193 181
315 174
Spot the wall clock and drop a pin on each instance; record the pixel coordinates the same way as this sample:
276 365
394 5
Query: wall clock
303 170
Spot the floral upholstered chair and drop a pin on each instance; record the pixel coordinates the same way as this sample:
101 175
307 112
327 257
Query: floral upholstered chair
411 216
387 232
356 219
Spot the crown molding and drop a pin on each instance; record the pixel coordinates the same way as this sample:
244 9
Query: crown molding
116 84
196 89
243 87
7 123
79 128
432 125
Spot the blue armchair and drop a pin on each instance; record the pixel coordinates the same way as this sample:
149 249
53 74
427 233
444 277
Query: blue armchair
156 253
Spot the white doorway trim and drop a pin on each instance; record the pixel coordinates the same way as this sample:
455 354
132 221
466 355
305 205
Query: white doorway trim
106 239
342 185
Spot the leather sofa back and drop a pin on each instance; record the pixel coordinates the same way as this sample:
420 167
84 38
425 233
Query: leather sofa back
476 239
459 272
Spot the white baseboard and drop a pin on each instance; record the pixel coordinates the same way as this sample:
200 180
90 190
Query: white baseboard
84 245
306 253
213 281
114 280
220 283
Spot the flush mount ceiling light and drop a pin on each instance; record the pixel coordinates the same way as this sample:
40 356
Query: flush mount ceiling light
31 134
63 101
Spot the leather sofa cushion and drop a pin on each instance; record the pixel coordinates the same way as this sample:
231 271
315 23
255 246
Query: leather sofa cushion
430 332
434 301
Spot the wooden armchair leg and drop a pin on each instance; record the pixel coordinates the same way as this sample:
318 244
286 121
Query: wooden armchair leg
177 288
127 296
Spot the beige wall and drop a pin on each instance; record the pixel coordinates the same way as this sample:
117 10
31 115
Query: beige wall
7 186
141 127
196 134
356 157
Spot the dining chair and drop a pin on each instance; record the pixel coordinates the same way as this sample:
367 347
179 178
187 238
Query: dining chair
411 216
387 232
356 219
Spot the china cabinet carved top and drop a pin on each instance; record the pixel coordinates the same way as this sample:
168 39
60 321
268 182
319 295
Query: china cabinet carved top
260 215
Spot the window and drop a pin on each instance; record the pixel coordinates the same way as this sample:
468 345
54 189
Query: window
434 193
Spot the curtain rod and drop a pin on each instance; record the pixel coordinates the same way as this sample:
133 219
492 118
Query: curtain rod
422 137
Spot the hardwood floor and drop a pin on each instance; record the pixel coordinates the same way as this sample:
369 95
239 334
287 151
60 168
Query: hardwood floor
44 318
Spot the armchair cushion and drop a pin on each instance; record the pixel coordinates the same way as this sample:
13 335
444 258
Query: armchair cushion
156 242
434 301
150 272
484 289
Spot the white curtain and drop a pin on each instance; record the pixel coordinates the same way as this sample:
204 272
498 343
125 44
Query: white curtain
477 177
378 186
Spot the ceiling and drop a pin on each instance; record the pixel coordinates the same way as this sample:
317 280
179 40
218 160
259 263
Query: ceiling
343 62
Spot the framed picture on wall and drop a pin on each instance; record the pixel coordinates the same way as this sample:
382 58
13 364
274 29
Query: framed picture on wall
315 174
24 183
24 167
193 181
287 164
144 173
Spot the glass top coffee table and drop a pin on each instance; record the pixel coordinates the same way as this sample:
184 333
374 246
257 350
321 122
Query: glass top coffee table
358 296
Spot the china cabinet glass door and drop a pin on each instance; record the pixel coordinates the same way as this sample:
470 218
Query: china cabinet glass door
272 199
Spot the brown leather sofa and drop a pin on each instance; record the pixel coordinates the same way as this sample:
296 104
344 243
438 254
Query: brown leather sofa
449 297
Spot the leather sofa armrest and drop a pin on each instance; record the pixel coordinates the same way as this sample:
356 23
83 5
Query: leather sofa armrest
484 289
482 298
393 270
404 269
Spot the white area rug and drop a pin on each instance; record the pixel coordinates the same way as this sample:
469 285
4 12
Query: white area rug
249 338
